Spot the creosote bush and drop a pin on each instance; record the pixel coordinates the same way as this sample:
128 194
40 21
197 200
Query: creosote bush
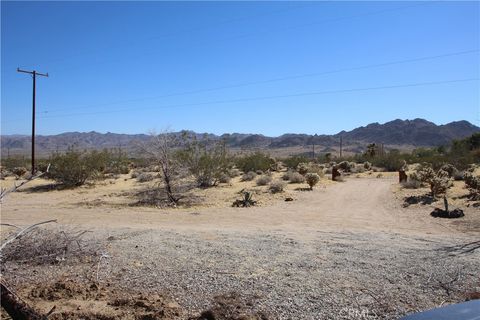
312 179
255 161
206 162
263 180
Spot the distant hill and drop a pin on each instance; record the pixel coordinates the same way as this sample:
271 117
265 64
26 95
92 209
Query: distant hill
406 133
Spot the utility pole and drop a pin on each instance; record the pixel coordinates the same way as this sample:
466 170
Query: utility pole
34 76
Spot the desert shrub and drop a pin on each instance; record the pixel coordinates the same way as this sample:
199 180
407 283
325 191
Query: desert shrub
450 169
145 177
472 182
412 182
346 166
246 201
254 162
379 176
312 179
224 178
276 186
327 170
316 168
259 172
263 180
438 181
19 171
367 165
134 174
249 176
295 177
12 162
390 162
234 172
73 168
293 161
302 168
358 169
206 163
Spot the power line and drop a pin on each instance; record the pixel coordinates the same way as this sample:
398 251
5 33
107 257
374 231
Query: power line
291 77
419 84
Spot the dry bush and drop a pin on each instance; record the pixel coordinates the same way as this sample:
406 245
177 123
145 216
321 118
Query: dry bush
264 180
302 168
346 166
19 171
411 183
367 165
312 179
234 172
472 182
295 177
224 178
249 176
276 186
145 177
50 246
316 168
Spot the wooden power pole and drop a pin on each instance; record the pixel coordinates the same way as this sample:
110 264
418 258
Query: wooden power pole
34 76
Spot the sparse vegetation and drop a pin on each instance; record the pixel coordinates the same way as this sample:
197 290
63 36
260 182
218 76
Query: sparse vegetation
255 161
472 182
247 200
249 176
312 179
145 177
295 177
263 180
276 186
207 163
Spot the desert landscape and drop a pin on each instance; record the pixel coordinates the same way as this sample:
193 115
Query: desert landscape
357 246
240 160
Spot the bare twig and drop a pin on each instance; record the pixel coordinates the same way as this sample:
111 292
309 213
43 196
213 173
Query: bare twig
5 192
23 231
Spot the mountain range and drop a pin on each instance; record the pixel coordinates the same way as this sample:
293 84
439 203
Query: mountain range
393 134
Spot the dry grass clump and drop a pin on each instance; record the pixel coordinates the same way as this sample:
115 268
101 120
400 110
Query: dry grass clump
276 186
249 176
264 180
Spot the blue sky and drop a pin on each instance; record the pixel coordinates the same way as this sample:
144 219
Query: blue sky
252 67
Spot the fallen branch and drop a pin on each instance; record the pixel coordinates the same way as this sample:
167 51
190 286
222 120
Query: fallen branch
4 192
15 307
23 231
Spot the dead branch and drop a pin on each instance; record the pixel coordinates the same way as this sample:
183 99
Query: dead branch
5 192
462 248
16 307
23 231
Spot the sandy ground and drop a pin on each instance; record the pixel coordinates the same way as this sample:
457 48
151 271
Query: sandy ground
338 251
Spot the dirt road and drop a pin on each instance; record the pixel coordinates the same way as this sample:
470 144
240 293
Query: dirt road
366 204
340 251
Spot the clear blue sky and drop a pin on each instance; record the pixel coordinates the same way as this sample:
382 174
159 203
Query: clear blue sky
252 67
